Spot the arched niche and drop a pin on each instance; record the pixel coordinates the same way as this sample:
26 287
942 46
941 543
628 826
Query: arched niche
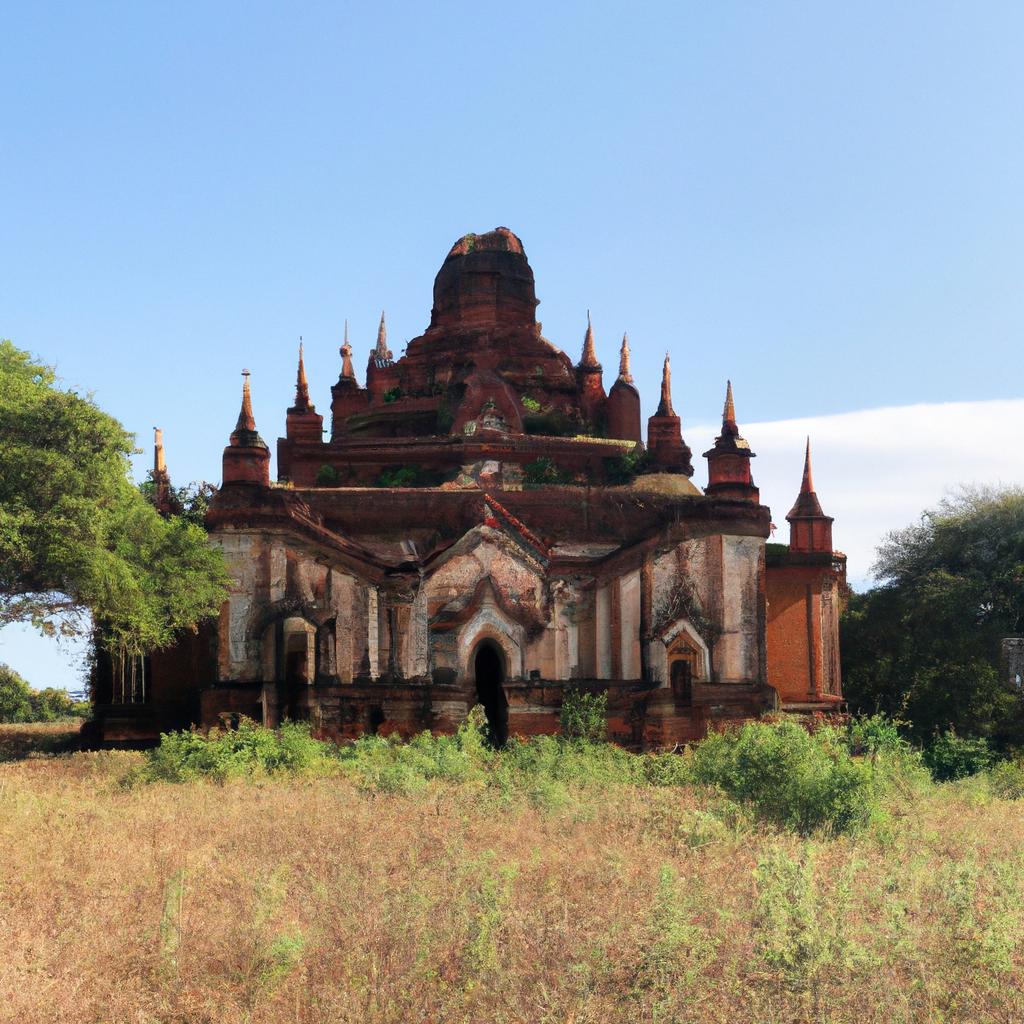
679 658
491 624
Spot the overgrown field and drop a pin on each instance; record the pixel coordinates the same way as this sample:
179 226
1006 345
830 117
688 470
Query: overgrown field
275 879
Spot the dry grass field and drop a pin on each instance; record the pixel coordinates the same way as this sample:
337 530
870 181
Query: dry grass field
322 900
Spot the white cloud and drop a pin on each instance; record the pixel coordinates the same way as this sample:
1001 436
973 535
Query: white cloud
878 469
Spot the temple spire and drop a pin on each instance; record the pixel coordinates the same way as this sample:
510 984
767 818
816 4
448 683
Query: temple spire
347 370
246 420
729 412
589 361
807 505
624 374
301 384
162 498
665 405
807 486
382 351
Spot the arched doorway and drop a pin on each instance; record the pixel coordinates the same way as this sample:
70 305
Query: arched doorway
489 671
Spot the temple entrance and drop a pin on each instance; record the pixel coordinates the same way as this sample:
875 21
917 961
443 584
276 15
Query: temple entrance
682 680
489 669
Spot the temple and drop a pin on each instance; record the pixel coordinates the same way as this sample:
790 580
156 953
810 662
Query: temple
482 522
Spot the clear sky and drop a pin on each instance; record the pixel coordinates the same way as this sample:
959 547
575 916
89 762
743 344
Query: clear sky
822 201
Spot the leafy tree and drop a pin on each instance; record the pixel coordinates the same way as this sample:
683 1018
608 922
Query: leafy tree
15 697
924 646
76 535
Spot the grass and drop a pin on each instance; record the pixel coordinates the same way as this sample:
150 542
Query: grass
534 885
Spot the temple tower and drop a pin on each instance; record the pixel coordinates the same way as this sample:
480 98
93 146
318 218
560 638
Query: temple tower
664 435
588 377
624 401
729 460
247 458
809 528
303 422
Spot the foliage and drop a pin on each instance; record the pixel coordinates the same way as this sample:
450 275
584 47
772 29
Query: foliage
624 469
392 394
550 423
400 476
327 476
543 472
792 778
250 751
190 502
20 703
584 716
924 646
949 756
76 536
530 404
1006 779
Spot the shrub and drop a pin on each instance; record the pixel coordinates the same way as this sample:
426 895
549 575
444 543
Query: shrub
246 752
327 476
15 697
951 757
543 472
789 777
401 476
1007 779
20 703
585 716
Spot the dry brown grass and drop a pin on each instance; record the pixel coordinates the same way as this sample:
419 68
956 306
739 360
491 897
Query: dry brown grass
316 901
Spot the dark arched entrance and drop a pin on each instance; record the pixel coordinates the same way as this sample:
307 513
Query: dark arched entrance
489 670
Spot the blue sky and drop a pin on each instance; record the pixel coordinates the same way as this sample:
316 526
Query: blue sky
821 201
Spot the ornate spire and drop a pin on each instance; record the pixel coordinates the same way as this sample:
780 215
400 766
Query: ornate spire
301 384
624 374
347 370
588 361
382 351
665 405
807 504
729 413
246 420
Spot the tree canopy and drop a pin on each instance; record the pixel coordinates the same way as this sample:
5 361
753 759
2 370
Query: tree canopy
924 645
76 534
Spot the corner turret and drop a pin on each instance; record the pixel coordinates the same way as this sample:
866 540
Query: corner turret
729 460
664 434
589 378
247 457
624 401
809 528
303 422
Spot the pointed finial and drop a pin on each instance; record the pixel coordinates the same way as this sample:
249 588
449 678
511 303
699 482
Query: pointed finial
624 374
301 385
807 486
347 370
382 351
246 421
159 464
665 405
589 358
729 410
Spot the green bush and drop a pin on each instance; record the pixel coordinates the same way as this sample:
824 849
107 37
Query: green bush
790 777
543 472
950 757
327 476
1006 779
585 716
250 751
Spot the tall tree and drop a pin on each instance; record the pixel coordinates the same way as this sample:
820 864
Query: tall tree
924 646
77 538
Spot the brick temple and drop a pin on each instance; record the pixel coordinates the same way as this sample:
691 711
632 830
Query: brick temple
483 522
